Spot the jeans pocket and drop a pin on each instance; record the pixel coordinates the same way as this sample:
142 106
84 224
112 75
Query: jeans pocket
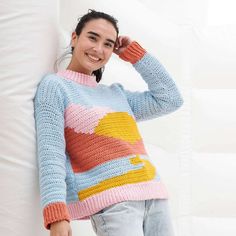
93 224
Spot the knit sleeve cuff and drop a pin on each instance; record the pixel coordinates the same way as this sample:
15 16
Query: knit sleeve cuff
133 53
55 212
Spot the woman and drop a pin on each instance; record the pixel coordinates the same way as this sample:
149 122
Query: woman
92 161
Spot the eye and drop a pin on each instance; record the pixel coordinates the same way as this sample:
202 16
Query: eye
109 45
93 38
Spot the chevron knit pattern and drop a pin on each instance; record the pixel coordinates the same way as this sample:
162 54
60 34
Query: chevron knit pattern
90 152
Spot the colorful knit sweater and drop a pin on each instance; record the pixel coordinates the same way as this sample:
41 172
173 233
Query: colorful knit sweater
90 152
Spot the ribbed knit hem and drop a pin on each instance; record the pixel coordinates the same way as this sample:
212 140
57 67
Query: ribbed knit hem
55 212
133 53
141 191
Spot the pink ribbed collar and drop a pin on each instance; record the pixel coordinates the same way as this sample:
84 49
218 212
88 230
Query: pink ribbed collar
80 78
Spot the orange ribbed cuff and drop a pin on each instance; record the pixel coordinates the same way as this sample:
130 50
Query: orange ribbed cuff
55 212
133 53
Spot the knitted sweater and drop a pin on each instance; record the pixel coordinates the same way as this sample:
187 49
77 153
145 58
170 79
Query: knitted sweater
90 152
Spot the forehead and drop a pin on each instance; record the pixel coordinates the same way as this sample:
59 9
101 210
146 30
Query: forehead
102 27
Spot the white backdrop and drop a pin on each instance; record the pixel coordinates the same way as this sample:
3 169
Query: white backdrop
194 148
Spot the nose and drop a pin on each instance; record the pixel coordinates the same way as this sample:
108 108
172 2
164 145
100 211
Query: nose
98 47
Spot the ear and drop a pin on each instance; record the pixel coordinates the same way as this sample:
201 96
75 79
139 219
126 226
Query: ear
73 39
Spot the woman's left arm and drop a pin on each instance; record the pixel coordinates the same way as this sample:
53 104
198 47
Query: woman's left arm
162 97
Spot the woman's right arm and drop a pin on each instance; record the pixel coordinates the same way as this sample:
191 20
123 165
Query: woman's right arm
49 121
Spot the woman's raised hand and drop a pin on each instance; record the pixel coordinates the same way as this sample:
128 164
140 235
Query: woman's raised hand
121 43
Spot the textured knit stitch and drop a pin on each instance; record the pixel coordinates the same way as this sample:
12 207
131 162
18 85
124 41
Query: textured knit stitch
90 151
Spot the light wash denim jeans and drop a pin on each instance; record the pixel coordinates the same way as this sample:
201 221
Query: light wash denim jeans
134 218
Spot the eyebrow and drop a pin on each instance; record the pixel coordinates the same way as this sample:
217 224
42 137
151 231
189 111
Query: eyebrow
96 34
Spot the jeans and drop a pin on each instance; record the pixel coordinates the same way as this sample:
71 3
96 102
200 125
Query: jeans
134 218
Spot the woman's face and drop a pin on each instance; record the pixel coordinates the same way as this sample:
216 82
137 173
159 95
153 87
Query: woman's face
93 47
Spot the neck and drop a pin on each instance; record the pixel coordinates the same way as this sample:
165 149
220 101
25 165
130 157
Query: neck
75 68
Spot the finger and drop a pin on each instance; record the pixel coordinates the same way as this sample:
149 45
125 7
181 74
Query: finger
70 233
120 41
128 41
125 41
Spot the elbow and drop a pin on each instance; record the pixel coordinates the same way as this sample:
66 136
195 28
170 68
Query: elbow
173 105
180 102
177 103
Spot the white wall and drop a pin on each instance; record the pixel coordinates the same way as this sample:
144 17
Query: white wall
28 46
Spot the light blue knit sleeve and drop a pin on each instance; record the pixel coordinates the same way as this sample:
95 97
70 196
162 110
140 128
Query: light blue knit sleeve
49 120
162 97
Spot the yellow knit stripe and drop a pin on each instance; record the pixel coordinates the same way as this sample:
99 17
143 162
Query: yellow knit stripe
135 160
147 172
119 125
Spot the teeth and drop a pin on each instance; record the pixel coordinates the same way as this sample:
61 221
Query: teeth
93 58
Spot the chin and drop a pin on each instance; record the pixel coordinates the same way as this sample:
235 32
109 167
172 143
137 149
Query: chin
95 68
92 67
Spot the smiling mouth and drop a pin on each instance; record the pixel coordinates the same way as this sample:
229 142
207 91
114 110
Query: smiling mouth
93 58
